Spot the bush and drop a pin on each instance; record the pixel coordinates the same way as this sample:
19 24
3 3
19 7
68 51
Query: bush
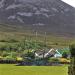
64 55
19 58
3 41
64 60
8 58
4 53
1 57
12 40
53 60
9 41
30 55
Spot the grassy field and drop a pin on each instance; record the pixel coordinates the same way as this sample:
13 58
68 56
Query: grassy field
53 41
8 69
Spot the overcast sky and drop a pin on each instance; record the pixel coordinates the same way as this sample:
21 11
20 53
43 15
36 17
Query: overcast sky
70 2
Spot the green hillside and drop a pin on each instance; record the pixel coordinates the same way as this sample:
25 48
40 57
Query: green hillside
19 33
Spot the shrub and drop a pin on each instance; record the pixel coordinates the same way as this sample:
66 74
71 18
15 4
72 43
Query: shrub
53 60
19 58
64 60
1 57
64 55
4 53
3 40
8 58
12 40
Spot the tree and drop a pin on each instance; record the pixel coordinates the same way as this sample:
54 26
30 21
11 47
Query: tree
64 55
72 50
30 56
71 68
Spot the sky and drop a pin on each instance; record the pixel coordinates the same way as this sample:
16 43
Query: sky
70 2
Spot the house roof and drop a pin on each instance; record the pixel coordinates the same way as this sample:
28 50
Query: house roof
45 53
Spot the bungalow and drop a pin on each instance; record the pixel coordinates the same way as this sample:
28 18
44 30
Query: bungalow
48 53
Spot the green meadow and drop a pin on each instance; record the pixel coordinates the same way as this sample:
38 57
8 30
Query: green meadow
12 69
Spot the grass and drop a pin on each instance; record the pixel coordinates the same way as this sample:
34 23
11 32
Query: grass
53 41
11 69
18 32
8 32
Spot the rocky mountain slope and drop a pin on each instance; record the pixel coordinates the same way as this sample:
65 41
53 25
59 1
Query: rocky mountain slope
52 16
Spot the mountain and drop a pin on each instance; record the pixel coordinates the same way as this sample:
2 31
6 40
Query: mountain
51 16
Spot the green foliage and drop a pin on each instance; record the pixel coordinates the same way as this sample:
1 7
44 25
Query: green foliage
12 40
20 48
72 49
9 40
27 44
53 60
8 58
8 47
64 55
3 40
4 53
28 57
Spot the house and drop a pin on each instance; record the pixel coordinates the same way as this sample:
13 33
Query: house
57 54
48 53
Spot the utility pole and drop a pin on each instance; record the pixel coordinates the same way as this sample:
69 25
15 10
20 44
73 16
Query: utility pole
45 41
35 39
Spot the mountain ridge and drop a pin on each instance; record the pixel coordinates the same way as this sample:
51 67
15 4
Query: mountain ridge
52 16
